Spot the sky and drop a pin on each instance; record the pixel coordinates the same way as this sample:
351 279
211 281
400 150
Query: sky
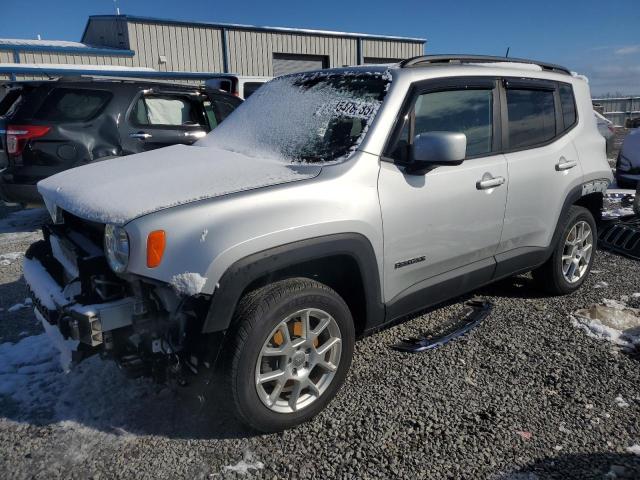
600 39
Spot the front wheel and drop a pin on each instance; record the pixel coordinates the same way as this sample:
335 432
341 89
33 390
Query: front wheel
573 255
290 354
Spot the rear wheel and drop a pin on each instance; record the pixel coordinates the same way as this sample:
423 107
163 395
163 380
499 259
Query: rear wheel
290 354
573 256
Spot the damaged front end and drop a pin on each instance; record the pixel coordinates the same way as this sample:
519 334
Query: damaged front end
143 324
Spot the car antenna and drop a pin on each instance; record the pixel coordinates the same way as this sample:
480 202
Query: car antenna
506 55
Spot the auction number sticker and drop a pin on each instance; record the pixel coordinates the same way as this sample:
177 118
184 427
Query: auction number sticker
349 108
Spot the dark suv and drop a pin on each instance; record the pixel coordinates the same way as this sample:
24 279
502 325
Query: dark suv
50 126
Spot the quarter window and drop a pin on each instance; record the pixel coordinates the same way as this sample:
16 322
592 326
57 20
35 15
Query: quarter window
532 119
568 106
73 105
466 111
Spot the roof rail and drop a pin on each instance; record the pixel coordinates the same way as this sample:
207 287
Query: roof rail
425 60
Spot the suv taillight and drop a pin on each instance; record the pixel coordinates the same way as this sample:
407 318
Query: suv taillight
19 135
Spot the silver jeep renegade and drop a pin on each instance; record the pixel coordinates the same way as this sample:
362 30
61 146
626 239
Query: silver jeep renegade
328 205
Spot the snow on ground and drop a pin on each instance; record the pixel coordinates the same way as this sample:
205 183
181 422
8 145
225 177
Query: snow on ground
8 258
94 392
621 402
618 203
19 306
247 463
612 320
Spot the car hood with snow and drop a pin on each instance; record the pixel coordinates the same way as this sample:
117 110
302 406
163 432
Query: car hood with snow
122 189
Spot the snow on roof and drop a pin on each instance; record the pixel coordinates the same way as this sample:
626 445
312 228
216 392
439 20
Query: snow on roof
65 66
19 42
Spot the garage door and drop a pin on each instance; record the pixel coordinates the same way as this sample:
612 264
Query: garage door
284 64
380 61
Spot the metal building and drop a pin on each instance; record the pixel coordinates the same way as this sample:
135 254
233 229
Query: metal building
618 110
157 48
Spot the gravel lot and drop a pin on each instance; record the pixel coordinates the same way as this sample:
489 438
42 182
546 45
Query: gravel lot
525 395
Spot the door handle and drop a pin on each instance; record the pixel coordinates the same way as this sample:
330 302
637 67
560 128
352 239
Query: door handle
491 182
141 135
199 134
564 164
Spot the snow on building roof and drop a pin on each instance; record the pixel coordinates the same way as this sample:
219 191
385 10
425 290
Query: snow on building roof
65 66
20 42
17 44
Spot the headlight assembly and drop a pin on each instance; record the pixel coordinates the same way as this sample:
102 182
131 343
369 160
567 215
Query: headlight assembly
116 247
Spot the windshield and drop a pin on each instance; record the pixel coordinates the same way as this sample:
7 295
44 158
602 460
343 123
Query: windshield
314 117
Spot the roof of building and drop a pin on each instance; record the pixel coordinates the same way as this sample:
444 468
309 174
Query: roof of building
56 70
21 44
304 31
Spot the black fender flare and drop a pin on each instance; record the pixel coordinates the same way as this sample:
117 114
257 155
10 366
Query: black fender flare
245 271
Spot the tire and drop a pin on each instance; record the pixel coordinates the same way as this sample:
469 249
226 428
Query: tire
258 329
551 276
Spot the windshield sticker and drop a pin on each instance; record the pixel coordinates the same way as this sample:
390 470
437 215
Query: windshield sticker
349 108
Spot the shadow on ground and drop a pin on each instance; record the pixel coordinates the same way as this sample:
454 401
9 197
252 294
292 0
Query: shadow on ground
580 466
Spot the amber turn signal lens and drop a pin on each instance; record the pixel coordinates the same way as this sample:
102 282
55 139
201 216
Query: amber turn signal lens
156 242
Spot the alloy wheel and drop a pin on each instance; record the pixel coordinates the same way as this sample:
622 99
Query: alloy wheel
578 248
298 361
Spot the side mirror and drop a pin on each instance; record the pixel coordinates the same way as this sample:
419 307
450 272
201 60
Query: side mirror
433 149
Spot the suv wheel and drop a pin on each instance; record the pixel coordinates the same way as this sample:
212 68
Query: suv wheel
290 354
573 255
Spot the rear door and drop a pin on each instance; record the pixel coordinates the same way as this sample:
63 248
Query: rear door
161 118
542 160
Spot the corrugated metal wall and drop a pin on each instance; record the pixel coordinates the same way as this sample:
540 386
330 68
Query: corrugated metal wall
391 49
6 57
619 110
251 53
199 48
186 48
74 58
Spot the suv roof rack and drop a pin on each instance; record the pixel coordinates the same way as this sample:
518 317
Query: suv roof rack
426 60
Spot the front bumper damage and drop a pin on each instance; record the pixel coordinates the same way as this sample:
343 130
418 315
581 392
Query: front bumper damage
143 325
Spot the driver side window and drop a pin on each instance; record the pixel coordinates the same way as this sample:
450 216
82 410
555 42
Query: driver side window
465 111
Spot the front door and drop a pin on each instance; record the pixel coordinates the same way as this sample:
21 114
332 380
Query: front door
452 216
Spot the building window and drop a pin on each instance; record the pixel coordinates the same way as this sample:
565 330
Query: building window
380 60
286 63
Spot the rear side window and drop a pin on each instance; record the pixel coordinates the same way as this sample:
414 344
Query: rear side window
168 110
9 101
73 105
568 106
532 118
